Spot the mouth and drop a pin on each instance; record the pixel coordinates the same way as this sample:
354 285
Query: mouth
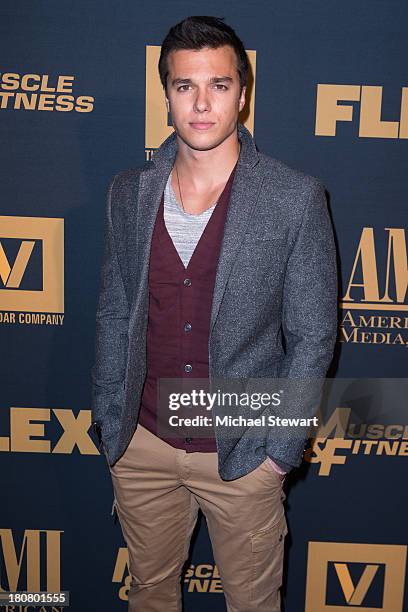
201 125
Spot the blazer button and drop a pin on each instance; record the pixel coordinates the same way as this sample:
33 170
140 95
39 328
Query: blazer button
188 367
187 327
187 282
188 440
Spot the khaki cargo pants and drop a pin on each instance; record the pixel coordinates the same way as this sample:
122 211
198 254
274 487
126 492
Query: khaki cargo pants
158 490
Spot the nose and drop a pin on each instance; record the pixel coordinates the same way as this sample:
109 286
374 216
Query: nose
201 102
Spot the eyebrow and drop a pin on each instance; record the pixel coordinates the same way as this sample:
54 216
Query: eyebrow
212 80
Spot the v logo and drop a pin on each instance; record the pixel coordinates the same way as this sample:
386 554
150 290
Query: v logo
354 595
380 586
11 276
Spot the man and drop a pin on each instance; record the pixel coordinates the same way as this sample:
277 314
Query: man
213 252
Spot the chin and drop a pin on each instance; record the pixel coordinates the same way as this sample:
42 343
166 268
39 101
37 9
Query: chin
201 142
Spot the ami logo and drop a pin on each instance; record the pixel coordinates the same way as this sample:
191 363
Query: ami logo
22 553
360 577
363 289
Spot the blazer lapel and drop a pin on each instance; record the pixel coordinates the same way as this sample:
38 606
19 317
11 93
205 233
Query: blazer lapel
151 186
244 195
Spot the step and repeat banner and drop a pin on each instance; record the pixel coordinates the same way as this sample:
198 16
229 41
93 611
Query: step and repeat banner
80 100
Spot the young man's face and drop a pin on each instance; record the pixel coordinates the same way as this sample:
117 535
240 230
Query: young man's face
203 94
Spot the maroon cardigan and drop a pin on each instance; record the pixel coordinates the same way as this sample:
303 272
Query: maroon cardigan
178 327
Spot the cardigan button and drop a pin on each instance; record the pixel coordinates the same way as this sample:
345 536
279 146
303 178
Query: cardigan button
187 327
187 282
188 367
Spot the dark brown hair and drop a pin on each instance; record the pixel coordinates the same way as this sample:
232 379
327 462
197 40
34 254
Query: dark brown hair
197 32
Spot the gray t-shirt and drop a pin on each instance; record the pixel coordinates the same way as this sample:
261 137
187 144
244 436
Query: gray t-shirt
184 228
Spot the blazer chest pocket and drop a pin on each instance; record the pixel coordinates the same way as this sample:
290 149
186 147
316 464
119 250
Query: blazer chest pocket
263 246
259 263
264 234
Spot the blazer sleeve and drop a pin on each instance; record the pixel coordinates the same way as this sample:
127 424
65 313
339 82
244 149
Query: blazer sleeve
111 340
309 323
310 294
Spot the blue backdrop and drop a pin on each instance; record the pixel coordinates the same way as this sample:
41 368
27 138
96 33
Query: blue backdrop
330 98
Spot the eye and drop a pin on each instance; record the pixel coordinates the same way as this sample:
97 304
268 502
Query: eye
220 85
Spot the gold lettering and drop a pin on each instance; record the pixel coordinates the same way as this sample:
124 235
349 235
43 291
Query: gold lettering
328 112
371 125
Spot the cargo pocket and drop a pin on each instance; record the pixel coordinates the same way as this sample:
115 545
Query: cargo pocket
267 551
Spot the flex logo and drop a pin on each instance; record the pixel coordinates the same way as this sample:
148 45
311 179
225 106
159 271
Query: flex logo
348 576
329 112
31 264
158 123
28 435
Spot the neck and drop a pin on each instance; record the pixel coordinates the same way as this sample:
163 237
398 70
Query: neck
206 168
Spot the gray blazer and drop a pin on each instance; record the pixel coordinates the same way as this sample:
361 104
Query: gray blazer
276 274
